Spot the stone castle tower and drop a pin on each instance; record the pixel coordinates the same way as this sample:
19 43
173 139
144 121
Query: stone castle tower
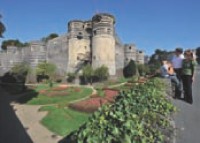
103 42
79 44
94 41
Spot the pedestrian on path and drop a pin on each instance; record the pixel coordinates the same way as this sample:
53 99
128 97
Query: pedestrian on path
188 66
177 65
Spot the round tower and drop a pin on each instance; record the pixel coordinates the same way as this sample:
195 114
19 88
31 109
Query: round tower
130 53
140 56
78 44
103 42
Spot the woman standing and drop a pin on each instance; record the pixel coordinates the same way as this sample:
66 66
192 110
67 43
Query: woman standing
188 66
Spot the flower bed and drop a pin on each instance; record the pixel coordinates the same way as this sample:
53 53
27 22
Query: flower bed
95 101
89 105
110 94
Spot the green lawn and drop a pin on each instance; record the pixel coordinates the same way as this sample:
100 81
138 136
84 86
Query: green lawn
59 119
34 98
63 121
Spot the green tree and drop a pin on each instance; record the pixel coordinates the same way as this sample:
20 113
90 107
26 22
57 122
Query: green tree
143 69
198 54
71 77
12 42
88 73
131 69
158 56
22 68
2 28
101 73
49 37
20 72
46 69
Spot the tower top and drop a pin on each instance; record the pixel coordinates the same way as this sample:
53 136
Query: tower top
99 16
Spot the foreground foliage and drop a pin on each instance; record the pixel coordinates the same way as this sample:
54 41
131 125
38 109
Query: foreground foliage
140 115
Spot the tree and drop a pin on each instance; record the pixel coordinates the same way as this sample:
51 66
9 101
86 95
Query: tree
12 42
22 68
143 69
46 70
49 37
20 72
2 28
88 73
131 69
198 54
101 73
158 56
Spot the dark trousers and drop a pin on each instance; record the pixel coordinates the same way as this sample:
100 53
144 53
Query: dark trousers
178 73
178 90
187 87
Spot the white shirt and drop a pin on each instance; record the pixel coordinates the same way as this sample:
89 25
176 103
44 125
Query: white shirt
163 70
177 61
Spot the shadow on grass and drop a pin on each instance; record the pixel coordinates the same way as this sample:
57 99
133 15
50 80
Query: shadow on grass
27 96
15 86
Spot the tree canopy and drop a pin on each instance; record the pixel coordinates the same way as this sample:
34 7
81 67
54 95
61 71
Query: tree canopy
45 68
130 70
49 37
12 42
2 28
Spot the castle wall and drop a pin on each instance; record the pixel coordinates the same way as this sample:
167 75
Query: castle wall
78 52
103 42
79 44
93 41
103 53
140 57
130 53
57 53
37 53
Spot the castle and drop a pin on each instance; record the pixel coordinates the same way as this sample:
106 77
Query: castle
94 41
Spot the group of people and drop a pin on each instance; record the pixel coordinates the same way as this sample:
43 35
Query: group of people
180 70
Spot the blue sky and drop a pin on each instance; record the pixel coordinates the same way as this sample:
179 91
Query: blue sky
150 24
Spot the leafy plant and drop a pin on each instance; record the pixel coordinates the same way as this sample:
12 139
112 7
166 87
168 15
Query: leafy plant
71 77
101 73
130 69
139 115
88 73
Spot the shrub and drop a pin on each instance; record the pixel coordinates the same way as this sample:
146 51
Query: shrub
138 115
101 73
88 73
143 69
71 77
130 69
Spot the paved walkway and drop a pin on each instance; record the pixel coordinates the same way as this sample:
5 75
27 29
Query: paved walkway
30 118
187 119
21 123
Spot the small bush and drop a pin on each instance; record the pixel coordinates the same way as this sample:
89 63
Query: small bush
71 77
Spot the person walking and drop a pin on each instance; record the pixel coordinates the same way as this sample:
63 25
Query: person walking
177 65
188 66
